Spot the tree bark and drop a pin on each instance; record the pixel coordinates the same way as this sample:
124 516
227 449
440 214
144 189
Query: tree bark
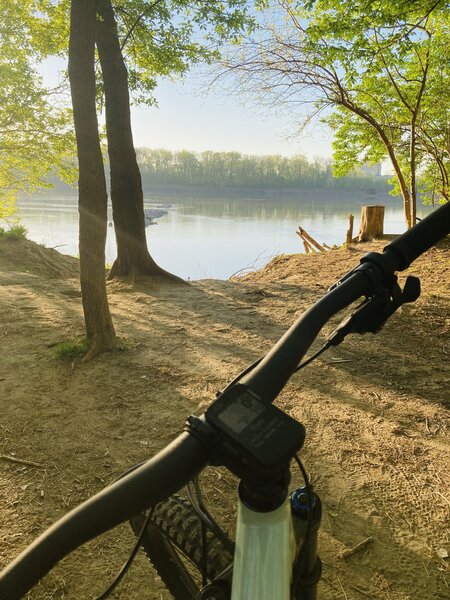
92 185
371 224
133 258
412 175
391 153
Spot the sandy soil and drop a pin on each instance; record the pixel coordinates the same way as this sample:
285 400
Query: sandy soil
374 410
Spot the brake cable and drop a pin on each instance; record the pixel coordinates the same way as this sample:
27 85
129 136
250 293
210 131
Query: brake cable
127 564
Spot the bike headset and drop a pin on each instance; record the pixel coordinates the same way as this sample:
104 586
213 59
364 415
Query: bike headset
172 468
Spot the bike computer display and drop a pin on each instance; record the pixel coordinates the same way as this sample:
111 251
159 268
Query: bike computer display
258 429
242 412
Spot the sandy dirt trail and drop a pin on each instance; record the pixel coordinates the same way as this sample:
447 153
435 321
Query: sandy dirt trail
375 411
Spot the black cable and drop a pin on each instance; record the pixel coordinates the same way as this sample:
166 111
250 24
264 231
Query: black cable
309 492
313 356
129 470
204 553
198 504
136 546
242 373
257 361
129 561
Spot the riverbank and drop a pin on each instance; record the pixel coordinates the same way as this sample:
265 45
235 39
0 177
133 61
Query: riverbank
374 410
270 193
266 193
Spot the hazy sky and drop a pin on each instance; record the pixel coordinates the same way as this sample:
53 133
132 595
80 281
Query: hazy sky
185 120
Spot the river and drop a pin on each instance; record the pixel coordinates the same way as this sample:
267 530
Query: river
214 237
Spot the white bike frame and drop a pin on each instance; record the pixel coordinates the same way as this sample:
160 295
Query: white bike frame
264 554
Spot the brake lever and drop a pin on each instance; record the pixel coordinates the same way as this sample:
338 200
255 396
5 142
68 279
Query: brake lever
373 312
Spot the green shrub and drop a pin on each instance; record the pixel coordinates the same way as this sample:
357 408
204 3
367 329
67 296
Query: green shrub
14 233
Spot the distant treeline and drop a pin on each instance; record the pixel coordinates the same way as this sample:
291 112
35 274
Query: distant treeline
232 169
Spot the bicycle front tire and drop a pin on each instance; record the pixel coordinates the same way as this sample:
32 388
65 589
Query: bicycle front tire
174 528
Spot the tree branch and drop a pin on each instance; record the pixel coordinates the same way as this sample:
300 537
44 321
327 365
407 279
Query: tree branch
137 21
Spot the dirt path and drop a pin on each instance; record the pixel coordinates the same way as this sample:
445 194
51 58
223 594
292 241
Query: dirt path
374 409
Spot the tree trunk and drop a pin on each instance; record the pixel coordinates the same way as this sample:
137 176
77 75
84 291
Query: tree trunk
92 185
412 175
391 153
371 224
133 258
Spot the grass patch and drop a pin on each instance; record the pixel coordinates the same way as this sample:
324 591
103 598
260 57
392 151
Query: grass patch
126 344
68 350
72 349
14 233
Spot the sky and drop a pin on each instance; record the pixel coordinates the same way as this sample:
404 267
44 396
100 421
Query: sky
187 120
219 122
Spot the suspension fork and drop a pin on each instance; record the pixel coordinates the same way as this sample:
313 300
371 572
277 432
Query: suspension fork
306 510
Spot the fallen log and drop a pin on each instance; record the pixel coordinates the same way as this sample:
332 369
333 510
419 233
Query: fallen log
307 246
311 241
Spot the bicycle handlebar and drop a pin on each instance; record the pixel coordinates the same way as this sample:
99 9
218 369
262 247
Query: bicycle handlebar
179 462
417 240
269 377
161 476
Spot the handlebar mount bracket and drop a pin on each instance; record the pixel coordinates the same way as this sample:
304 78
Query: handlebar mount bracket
250 437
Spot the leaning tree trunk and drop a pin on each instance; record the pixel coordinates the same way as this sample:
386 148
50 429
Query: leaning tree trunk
127 196
412 175
372 223
92 185
391 153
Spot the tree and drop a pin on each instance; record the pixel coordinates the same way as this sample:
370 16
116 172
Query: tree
368 67
127 196
92 192
400 54
232 169
434 126
160 38
35 132
158 48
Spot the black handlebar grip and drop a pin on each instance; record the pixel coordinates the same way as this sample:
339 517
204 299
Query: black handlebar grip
422 236
154 481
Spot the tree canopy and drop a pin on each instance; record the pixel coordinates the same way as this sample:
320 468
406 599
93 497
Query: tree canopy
374 71
35 129
396 61
163 38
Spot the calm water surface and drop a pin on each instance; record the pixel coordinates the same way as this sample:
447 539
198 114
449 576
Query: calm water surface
216 237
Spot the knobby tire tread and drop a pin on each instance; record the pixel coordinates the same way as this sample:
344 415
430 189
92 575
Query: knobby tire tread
177 521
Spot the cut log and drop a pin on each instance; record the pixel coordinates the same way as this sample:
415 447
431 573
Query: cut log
349 236
371 224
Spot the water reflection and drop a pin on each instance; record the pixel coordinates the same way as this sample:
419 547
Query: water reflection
215 237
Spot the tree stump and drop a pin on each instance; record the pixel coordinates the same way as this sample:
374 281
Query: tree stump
371 224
